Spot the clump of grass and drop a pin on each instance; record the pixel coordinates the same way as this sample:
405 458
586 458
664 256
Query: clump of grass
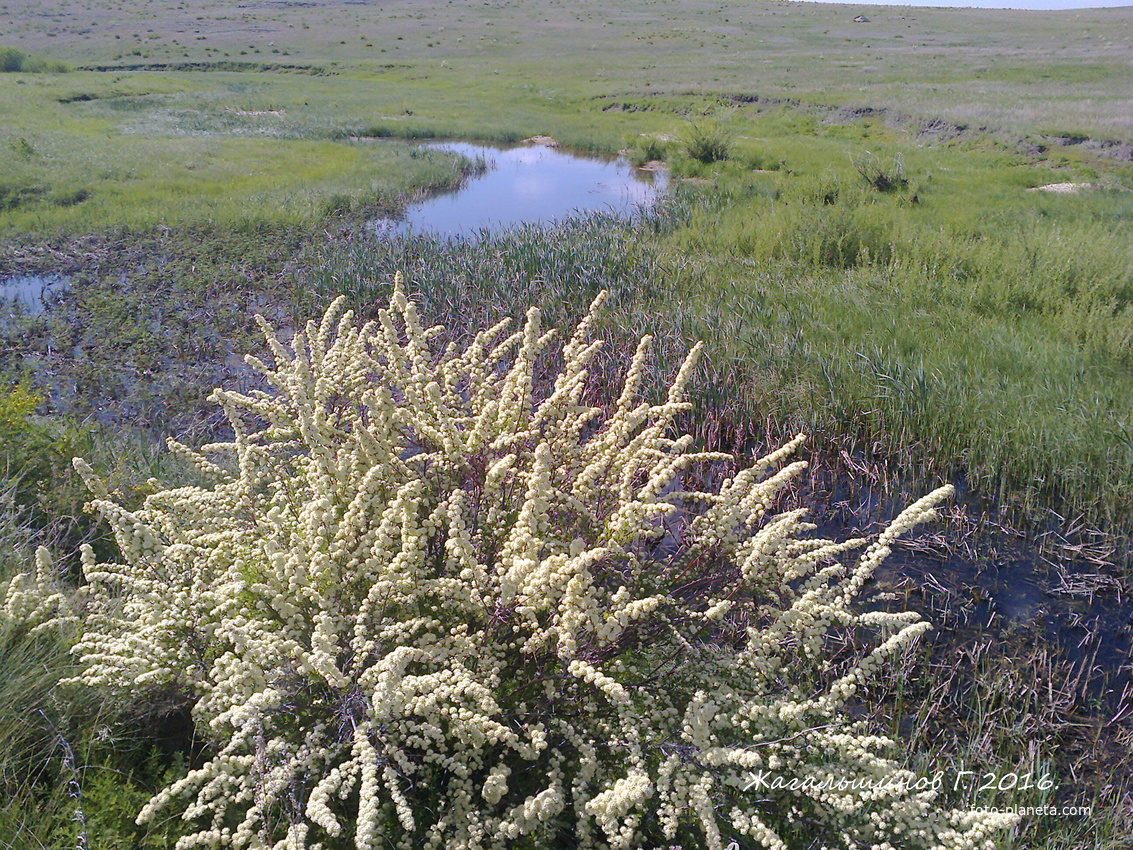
70 773
882 177
64 197
337 205
14 195
465 281
706 142
815 222
416 131
32 668
40 483
649 149
760 161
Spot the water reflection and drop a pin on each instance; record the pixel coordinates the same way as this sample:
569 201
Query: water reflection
532 183
29 294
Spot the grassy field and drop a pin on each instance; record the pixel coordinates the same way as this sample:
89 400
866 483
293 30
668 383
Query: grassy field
1054 72
869 260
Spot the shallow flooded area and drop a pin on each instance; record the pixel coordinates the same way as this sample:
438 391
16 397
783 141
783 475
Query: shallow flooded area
978 579
529 183
29 294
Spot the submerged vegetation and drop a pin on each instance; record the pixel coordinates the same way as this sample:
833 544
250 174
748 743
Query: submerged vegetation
863 229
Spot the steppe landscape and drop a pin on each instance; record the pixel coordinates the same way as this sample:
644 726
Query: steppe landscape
905 232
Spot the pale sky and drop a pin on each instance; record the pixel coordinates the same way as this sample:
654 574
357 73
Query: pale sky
998 4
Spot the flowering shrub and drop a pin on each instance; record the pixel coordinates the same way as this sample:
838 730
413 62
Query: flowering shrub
422 607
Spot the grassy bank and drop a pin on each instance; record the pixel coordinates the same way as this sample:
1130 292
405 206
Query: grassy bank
89 154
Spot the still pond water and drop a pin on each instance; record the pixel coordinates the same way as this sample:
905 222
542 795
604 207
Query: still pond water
30 294
530 183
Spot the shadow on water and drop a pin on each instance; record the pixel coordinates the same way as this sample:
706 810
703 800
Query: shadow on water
528 183
974 575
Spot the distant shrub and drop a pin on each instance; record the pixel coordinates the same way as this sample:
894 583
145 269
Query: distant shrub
426 606
16 61
11 60
22 147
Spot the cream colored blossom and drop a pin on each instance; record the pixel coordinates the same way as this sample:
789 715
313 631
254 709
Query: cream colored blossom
426 603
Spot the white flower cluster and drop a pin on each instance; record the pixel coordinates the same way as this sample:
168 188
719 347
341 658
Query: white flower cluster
421 607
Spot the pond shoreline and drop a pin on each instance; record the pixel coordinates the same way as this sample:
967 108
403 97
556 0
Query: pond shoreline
535 182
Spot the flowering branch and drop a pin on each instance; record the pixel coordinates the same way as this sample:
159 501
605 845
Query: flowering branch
440 611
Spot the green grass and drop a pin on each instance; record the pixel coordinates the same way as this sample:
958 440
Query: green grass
83 168
996 68
994 341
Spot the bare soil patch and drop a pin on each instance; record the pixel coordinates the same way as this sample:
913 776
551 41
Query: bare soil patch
1066 188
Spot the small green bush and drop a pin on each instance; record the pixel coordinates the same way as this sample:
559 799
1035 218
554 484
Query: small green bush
649 149
22 147
706 143
16 61
882 177
11 60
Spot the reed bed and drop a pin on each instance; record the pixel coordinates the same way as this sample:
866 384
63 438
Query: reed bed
867 336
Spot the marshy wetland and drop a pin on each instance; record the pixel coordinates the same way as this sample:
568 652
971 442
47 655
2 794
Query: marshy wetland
533 183
845 217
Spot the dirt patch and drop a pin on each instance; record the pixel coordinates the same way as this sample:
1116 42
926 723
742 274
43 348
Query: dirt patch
278 113
227 65
1065 188
851 115
938 132
543 141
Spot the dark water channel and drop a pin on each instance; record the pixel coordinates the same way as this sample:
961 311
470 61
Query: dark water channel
527 183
